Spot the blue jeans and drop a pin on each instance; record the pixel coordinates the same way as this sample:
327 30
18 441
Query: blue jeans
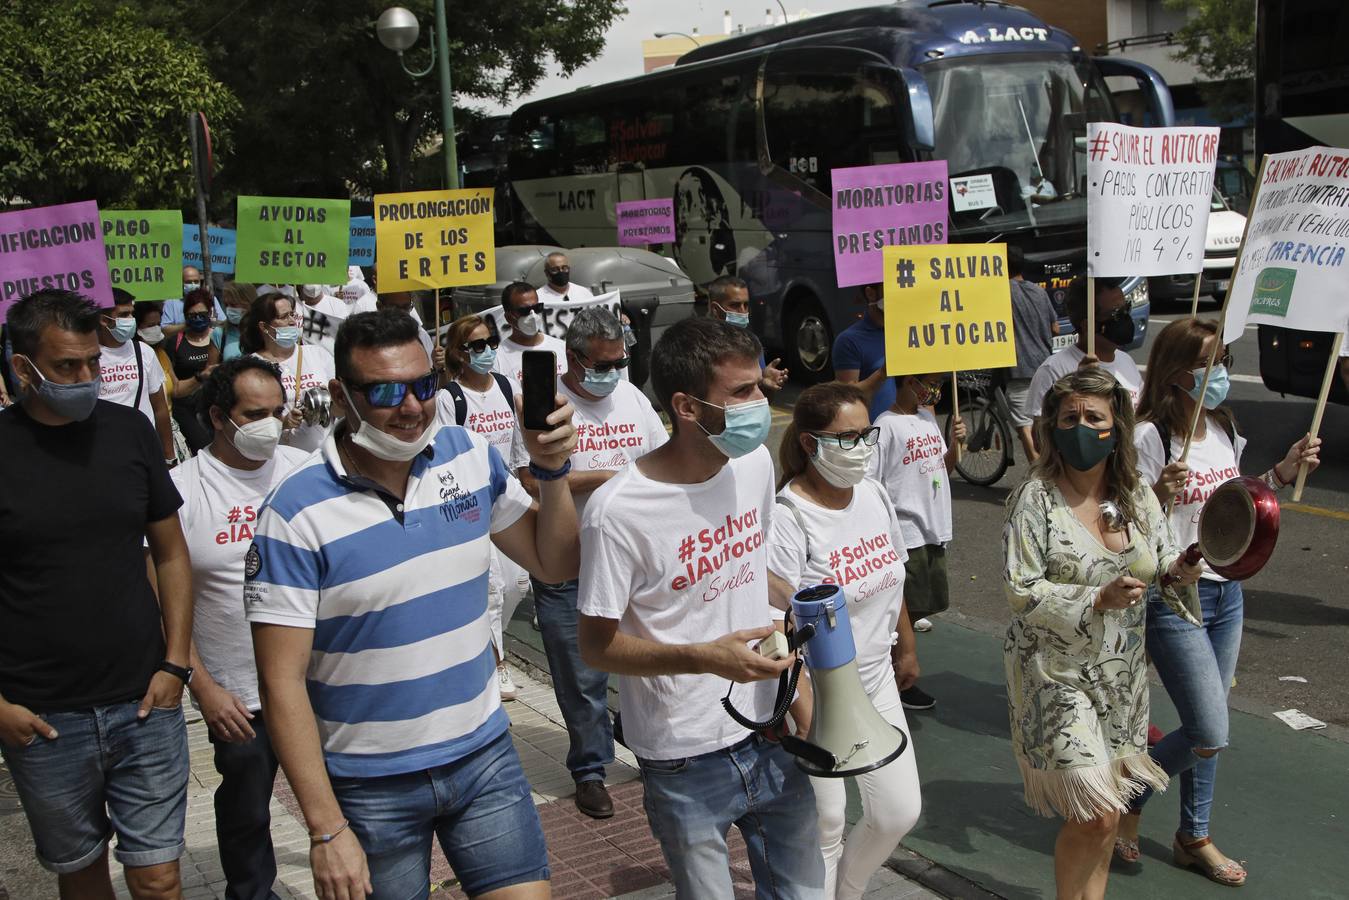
105 772
243 815
478 807
582 692
1196 666
691 803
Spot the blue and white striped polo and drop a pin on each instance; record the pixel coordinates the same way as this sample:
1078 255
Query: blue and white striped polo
401 676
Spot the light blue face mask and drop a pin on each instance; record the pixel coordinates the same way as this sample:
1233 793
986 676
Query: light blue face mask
747 427
482 362
1218 384
233 315
122 329
69 401
738 319
601 384
286 336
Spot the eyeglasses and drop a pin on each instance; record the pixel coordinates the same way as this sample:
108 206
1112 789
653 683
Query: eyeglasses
848 439
388 394
1226 360
480 344
606 366
288 319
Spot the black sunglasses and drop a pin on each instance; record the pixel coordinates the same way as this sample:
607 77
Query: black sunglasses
606 366
480 344
849 439
388 394
526 310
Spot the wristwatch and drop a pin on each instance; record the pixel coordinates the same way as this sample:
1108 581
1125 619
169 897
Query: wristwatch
183 674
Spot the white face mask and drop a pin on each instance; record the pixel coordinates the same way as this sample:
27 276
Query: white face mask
257 440
841 468
383 445
528 325
152 335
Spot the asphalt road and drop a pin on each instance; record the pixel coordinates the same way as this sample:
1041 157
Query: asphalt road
1297 609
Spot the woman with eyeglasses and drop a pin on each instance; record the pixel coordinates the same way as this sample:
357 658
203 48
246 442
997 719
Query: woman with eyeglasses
836 525
1196 664
271 330
483 400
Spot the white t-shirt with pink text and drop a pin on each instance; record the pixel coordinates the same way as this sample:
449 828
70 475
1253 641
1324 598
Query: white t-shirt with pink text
682 564
910 462
611 432
119 375
308 365
486 413
1212 461
859 548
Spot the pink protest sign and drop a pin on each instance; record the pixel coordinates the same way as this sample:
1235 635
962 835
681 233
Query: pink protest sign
645 222
53 247
880 206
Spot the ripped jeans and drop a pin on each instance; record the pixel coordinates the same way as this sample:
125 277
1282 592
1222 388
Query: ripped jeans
1196 666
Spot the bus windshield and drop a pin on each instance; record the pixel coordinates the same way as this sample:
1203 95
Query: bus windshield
1016 125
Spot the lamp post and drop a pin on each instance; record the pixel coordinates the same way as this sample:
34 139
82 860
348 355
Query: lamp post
665 34
398 29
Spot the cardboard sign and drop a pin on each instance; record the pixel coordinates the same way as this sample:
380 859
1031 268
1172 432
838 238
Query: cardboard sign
53 247
883 206
643 222
1294 269
293 240
224 247
434 239
973 192
557 315
145 252
947 308
362 247
1148 196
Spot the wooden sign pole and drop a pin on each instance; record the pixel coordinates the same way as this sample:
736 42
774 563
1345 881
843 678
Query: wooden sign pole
1332 366
1194 302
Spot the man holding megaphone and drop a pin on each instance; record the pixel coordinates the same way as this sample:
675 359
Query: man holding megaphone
674 609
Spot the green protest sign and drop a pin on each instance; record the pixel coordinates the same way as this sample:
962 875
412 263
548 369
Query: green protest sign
145 251
293 240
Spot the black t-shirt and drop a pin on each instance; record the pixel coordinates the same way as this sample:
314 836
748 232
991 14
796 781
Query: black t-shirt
188 358
79 623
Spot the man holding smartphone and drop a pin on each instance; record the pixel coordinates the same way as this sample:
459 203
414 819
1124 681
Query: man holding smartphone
366 587
673 591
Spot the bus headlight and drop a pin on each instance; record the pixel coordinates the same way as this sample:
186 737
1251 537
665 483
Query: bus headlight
1139 295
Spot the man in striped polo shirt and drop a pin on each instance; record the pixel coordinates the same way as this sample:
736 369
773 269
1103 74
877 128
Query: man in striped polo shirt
367 592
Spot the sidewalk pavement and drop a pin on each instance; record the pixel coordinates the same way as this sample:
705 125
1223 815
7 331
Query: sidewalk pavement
590 859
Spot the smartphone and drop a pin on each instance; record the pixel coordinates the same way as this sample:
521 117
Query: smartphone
538 384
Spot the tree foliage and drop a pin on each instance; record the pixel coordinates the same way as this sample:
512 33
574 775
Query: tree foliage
95 106
327 110
1219 40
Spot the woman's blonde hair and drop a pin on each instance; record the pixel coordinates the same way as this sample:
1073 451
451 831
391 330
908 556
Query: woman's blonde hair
455 358
1173 354
1121 469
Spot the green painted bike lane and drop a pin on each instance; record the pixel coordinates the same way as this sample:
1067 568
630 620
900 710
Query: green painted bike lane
1281 800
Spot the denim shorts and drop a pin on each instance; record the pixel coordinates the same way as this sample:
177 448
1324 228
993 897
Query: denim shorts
479 808
106 772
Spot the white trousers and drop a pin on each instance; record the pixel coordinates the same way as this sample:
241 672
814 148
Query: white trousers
507 584
891 802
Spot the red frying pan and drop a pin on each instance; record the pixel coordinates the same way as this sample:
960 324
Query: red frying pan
1238 528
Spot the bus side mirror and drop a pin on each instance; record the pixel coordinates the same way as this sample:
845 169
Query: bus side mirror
920 133
1155 94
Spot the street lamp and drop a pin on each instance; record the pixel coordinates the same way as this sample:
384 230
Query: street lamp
665 34
397 29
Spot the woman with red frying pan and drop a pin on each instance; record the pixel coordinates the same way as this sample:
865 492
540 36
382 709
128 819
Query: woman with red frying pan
1196 664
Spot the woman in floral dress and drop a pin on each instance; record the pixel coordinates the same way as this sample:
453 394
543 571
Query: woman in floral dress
1076 576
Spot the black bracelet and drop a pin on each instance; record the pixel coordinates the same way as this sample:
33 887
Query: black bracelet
541 474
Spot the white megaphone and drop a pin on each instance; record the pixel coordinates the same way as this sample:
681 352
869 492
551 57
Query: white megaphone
847 735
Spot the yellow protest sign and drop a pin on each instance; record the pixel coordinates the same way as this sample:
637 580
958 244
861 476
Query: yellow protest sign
434 239
947 307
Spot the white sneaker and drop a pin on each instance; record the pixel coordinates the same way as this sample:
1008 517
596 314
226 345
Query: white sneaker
505 684
923 625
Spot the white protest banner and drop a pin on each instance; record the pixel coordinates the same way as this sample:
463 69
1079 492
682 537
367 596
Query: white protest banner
1148 195
1292 269
557 315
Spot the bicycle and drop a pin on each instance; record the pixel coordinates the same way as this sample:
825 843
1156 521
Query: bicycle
989 435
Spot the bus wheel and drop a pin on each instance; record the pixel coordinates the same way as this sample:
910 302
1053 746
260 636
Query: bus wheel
809 340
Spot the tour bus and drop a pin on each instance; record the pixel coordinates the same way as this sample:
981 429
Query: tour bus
743 133
1301 100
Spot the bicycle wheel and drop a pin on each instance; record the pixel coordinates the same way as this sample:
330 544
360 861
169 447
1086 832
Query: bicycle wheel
983 460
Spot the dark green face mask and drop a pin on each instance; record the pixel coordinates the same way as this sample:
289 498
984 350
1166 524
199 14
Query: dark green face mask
1082 446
